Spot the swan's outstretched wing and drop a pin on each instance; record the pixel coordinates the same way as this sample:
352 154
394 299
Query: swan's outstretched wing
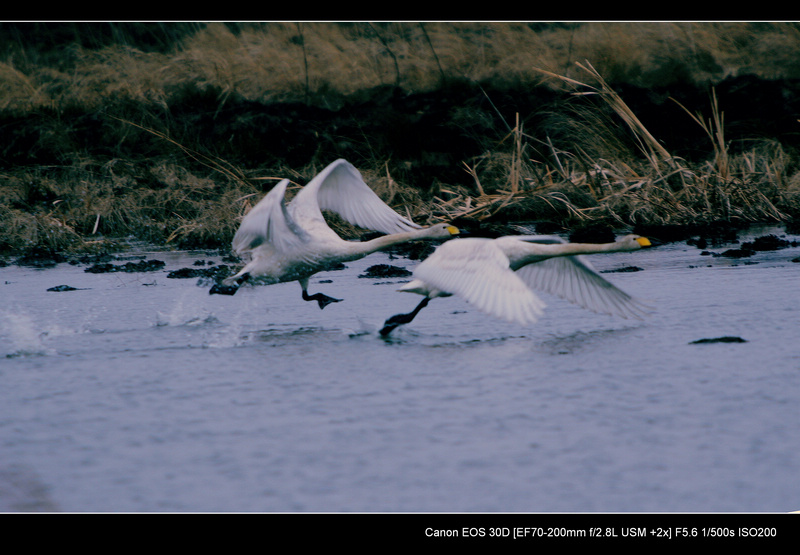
573 278
476 270
341 189
269 222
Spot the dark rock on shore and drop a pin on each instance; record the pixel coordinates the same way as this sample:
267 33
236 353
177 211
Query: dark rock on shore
215 272
59 288
92 258
624 269
385 271
414 250
750 248
143 266
736 253
768 243
723 339
700 235
40 258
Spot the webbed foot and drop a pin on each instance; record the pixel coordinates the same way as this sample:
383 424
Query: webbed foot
322 299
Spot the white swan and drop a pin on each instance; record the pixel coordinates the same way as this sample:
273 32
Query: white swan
293 242
498 276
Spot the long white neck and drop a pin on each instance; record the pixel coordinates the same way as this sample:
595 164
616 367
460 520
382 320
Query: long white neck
593 248
386 241
521 253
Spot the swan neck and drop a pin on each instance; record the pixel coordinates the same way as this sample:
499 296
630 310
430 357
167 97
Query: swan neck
591 248
385 241
538 252
392 239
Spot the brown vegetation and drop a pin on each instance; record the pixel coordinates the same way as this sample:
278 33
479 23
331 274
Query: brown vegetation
169 132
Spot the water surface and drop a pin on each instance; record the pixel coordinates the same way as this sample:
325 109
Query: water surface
137 392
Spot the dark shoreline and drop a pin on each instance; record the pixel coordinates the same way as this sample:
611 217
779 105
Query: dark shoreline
720 239
80 176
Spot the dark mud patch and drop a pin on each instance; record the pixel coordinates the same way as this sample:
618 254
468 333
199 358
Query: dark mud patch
60 288
622 270
130 267
385 271
45 257
768 243
215 272
701 235
723 339
731 253
414 250
750 248
40 258
212 277
96 258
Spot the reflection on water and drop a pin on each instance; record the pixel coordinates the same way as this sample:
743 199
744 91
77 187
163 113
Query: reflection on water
580 340
139 392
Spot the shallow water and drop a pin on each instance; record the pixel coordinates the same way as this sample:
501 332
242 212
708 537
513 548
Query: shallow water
137 392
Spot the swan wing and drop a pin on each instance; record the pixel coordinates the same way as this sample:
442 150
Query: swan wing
479 272
341 189
269 222
574 279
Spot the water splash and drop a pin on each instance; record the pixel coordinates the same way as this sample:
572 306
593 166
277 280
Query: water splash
22 337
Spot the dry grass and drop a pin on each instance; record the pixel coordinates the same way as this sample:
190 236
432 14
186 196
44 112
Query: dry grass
280 61
655 188
182 194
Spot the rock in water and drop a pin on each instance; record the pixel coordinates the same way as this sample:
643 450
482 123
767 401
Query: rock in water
723 339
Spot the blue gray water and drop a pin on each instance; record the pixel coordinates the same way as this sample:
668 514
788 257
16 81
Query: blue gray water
137 392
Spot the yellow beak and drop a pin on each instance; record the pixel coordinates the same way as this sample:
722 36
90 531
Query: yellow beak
453 230
643 241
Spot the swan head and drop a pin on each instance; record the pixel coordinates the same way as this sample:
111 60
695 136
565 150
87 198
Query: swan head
635 242
441 231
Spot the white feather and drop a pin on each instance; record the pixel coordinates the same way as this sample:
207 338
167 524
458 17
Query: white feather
498 276
287 242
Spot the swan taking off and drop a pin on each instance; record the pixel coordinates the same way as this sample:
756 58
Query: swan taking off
498 276
288 242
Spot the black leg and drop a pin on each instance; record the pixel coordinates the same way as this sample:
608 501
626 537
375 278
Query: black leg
221 289
400 319
322 299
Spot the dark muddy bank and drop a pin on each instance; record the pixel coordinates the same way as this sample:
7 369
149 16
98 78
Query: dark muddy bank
424 138
154 172
719 239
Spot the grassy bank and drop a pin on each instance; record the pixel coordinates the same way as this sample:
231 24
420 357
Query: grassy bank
169 132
